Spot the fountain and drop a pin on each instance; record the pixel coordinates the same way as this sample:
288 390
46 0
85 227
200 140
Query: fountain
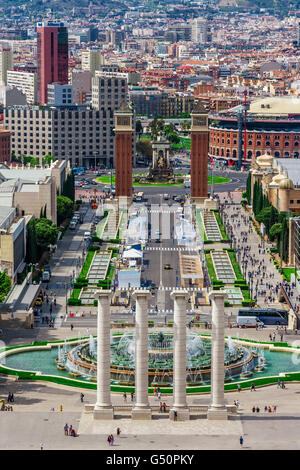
160 361
246 372
92 346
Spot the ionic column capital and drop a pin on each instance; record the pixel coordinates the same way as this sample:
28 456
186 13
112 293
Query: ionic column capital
179 293
102 293
217 294
140 293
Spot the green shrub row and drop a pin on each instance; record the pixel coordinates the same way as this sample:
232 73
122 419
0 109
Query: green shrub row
94 248
74 302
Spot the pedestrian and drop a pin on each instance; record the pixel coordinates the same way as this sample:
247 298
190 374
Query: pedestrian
241 441
70 430
239 387
131 396
274 408
42 446
164 407
81 397
118 431
60 408
278 383
125 396
257 409
253 409
266 409
71 327
175 415
66 429
160 407
111 440
269 409
252 386
108 440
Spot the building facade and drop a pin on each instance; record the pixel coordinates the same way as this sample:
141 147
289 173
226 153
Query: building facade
272 125
5 155
79 134
60 95
52 57
6 63
25 82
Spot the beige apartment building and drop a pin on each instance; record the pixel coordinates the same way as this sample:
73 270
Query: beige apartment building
91 60
76 133
81 83
25 82
109 89
6 63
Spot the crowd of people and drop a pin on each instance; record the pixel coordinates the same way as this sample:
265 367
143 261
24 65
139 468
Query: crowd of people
254 260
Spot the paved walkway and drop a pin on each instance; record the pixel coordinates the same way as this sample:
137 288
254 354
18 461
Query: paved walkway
32 422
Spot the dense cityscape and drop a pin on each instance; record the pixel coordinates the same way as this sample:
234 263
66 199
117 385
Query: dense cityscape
149 227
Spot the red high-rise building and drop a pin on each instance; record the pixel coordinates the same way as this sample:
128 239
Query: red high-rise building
123 151
52 56
199 152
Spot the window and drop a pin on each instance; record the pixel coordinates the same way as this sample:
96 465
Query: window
291 201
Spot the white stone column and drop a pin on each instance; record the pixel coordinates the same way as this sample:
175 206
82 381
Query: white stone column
103 408
179 357
217 408
141 409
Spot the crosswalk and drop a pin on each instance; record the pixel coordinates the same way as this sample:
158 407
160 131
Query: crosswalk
164 248
165 312
162 288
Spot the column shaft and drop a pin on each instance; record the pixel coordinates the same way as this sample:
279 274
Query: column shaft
179 355
141 352
218 344
103 408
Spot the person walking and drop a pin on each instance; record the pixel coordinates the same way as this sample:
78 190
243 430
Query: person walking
66 429
81 397
111 440
175 415
71 327
118 431
253 409
70 430
241 441
257 409
131 396
239 387
125 396
253 387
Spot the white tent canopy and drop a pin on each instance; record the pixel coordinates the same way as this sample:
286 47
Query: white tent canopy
132 254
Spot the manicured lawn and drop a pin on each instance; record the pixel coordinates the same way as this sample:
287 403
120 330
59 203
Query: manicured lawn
75 293
200 225
106 180
287 273
210 267
218 179
221 227
235 265
87 264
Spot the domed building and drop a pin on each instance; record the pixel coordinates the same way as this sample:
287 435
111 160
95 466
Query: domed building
280 180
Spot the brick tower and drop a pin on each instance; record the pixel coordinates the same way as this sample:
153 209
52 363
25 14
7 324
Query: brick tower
199 153
123 152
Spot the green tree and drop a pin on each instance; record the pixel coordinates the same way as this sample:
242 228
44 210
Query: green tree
169 129
31 243
248 188
139 128
275 232
156 126
64 206
46 233
144 147
5 284
68 188
174 138
48 159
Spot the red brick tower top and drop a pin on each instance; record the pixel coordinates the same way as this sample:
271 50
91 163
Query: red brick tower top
123 150
199 152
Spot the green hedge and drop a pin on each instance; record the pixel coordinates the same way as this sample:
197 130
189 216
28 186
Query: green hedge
94 248
115 240
74 302
81 284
